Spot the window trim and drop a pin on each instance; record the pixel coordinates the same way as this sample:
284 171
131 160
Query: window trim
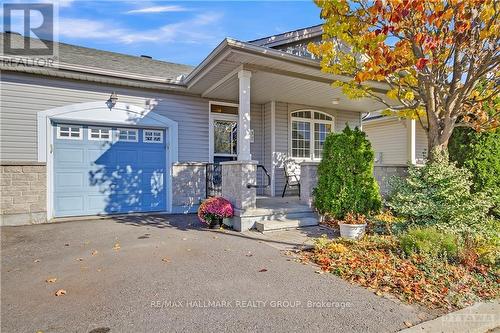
144 130
80 132
311 122
90 138
120 129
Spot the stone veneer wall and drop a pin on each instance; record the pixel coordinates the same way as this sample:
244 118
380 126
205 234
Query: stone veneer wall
383 174
23 193
188 186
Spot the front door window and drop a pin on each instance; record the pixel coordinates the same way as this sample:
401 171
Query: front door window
225 137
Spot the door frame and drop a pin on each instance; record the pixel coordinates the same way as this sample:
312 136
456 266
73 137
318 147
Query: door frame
98 113
218 116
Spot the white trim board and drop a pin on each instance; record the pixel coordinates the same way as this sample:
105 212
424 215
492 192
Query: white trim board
98 113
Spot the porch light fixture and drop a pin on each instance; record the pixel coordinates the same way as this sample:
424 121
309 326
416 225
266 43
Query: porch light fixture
112 100
335 101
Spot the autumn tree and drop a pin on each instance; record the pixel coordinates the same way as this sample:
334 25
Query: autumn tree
439 59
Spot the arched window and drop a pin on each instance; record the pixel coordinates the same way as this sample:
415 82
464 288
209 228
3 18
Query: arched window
309 131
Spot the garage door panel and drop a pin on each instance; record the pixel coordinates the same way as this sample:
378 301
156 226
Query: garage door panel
153 181
71 155
69 180
127 157
152 158
152 201
96 202
96 177
70 204
98 156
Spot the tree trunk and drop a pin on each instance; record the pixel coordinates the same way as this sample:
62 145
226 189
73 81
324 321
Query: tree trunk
438 133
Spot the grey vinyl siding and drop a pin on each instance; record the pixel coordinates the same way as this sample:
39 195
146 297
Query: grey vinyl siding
22 96
281 145
282 128
390 138
267 158
257 147
420 143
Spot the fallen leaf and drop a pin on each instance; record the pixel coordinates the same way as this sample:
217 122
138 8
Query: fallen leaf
79 259
184 238
98 269
319 272
408 324
379 293
36 260
189 250
67 244
165 259
51 280
116 247
263 270
249 254
60 292
95 252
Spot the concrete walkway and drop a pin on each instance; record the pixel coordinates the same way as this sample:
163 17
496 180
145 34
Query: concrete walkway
479 318
294 238
166 274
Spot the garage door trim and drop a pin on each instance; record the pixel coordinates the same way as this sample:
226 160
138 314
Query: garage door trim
98 113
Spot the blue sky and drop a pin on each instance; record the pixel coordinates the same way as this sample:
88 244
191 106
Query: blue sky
180 31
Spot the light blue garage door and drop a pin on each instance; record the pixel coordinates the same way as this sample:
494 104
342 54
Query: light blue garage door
108 170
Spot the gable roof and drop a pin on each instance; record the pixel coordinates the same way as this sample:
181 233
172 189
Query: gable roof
289 37
89 60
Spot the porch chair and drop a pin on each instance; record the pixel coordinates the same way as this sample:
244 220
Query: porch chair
292 175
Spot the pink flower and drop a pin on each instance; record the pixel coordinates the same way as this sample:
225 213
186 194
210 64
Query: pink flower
216 207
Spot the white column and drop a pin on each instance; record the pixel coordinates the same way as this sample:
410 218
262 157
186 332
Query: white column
412 132
244 116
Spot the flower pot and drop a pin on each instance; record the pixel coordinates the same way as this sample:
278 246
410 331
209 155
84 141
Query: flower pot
352 231
215 224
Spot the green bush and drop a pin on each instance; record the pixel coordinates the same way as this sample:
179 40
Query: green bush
439 194
345 176
429 242
479 152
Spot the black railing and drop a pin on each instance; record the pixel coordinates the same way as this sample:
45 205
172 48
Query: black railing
260 166
214 179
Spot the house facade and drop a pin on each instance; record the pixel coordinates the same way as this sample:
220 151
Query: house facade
397 143
107 133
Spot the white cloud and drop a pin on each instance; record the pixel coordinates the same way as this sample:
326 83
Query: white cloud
88 29
198 29
158 9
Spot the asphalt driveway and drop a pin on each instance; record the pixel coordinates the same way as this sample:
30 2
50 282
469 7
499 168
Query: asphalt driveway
166 274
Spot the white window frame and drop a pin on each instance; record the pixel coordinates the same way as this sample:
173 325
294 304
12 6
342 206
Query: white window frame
90 138
153 131
311 122
120 130
80 132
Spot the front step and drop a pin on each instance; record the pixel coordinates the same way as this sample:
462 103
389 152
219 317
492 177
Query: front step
282 224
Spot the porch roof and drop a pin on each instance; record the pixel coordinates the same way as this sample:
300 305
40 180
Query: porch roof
276 75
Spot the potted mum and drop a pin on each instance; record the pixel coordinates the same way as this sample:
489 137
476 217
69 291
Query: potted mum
353 226
213 210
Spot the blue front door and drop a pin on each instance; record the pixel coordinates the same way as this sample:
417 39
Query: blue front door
108 170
